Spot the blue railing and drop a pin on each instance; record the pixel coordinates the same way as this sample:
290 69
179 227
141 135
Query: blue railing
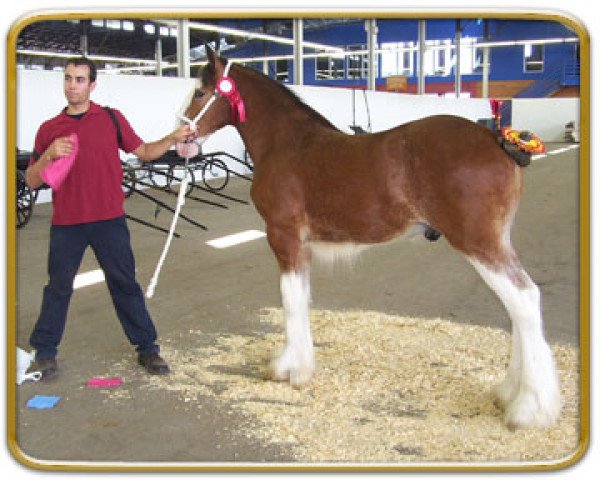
564 75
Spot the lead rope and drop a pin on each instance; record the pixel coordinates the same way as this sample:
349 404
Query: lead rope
181 195
180 203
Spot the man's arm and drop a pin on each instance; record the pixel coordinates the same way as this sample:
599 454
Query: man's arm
147 152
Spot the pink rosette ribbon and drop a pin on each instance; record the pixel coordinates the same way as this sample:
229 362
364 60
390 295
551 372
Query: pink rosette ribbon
228 89
57 170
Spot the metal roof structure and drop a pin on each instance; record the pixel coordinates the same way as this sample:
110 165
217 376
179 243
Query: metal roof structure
134 38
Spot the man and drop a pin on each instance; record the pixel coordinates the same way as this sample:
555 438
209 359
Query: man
88 211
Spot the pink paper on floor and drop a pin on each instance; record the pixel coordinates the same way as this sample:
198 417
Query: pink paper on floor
104 382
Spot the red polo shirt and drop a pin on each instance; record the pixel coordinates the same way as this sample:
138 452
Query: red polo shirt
92 190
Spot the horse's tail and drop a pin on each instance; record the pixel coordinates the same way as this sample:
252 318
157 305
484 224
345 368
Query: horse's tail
521 157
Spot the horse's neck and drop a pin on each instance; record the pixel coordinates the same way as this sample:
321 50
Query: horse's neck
273 119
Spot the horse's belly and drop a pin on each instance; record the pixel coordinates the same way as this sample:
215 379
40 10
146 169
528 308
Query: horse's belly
331 252
356 224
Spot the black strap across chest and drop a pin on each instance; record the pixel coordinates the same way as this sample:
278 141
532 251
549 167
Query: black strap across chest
113 117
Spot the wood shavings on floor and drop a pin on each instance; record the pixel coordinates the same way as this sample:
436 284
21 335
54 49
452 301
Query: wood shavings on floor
387 389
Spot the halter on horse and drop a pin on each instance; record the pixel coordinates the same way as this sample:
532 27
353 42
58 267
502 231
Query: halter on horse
320 190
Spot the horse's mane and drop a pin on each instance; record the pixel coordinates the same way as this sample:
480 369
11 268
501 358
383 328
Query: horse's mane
313 114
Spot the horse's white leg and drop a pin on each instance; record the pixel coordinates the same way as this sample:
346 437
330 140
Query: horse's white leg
507 390
296 362
530 392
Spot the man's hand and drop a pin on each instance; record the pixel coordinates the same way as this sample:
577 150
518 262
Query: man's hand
151 151
60 147
183 134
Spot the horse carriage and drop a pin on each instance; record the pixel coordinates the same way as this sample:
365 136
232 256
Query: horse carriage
26 196
206 172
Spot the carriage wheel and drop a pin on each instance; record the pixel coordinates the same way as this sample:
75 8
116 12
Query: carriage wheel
170 179
129 179
25 200
212 174
173 181
156 176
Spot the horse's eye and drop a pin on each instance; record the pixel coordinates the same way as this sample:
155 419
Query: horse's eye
198 94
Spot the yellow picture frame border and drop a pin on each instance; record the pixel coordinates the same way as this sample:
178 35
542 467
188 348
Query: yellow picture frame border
584 230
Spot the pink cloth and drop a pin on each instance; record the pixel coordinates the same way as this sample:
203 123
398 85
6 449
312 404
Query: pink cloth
56 172
187 149
104 382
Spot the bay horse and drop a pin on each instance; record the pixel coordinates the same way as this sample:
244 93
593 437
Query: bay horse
322 191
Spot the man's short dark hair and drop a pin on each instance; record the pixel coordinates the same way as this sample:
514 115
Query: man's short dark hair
78 61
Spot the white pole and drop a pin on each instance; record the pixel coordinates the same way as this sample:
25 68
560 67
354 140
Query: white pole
371 28
183 48
421 58
298 59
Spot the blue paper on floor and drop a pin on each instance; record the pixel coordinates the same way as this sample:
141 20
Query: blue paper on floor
42 401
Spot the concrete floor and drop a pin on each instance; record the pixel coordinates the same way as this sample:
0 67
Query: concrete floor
221 291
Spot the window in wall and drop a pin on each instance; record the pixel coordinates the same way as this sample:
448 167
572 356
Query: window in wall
128 26
440 57
397 58
533 58
357 65
113 24
445 57
329 68
282 73
477 59
470 62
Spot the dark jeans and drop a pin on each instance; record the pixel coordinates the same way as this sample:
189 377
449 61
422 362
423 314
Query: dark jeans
110 242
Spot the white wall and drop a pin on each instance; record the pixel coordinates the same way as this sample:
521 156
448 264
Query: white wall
386 109
149 103
546 117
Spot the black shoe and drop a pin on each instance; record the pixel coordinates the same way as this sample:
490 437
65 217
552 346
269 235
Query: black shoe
153 363
48 367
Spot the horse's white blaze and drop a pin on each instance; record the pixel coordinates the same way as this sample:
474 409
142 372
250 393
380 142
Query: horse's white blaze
296 362
530 391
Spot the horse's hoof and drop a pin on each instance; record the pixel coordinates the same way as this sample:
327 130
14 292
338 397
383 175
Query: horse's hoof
300 377
529 409
283 369
504 393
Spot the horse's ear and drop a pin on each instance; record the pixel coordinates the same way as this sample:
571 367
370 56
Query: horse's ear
210 53
215 60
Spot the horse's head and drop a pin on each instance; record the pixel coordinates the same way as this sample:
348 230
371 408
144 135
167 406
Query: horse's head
218 108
